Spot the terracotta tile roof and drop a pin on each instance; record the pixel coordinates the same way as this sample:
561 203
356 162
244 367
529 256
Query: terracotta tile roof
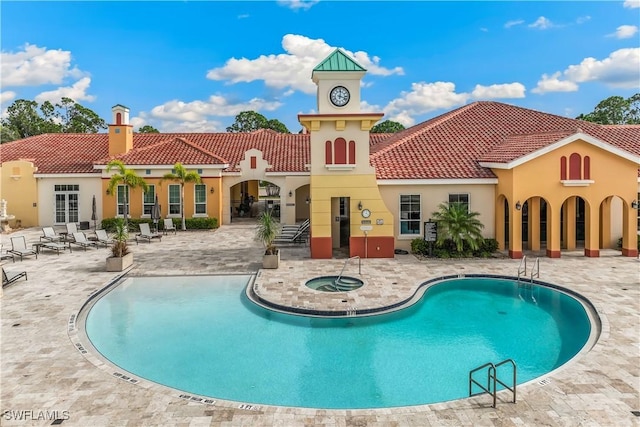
58 153
447 146
450 145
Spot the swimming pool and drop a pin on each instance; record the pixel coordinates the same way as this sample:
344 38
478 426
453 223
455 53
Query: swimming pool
201 335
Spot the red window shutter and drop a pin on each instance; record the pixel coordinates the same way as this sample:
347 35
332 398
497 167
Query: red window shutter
575 166
118 118
352 152
254 162
563 168
587 168
328 158
341 151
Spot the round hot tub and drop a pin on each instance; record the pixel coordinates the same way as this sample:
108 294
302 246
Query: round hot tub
334 283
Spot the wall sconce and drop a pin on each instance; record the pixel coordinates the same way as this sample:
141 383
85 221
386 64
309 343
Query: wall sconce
518 205
308 200
290 193
634 204
212 190
359 206
108 192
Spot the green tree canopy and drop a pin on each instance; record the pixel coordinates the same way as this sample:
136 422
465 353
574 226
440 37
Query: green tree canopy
182 176
148 129
249 121
388 126
127 177
615 110
26 118
457 223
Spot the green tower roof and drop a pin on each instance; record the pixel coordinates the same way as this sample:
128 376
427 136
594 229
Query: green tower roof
338 61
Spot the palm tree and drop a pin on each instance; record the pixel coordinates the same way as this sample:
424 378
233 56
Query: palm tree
182 176
457 223
127 177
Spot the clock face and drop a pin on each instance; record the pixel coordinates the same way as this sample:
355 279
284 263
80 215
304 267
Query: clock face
339 96
366 213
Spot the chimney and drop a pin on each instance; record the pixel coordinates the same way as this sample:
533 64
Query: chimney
120 131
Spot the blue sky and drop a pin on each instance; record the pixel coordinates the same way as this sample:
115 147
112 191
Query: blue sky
192 66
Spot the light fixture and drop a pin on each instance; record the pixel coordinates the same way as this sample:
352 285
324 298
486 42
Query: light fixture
290 193
359 206
308 200
634 204
108 192
518 205
212 190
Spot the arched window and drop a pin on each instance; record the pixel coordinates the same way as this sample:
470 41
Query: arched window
587 168
563 168
341 151
118 118
575 166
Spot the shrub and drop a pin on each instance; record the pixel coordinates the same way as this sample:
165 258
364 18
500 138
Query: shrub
198 223
192 223
419 246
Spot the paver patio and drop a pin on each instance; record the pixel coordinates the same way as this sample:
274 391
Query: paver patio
42 370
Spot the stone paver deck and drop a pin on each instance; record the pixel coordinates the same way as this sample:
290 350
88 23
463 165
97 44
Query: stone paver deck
42 371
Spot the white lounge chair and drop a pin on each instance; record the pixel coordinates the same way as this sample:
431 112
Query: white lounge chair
102 237
299 236
49 235
19 247
80 239
145 233
11 277
169 226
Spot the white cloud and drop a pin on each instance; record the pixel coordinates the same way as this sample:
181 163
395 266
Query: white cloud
197 111
77 92
36 66
507 90
554 84
625 32
292 70
583 19
298 4
541 23
243 16
513 23
424 98
632 4
620 69
7 96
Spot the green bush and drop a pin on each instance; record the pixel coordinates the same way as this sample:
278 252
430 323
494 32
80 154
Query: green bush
109 224
447 249
419 246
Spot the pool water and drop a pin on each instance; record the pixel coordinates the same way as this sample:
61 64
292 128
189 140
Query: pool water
202 336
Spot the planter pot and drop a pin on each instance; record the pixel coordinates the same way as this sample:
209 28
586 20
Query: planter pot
119 263
271 261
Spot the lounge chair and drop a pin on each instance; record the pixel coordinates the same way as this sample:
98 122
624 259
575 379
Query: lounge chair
19 247
71 228
145 233
169 226
49 235
299 236
5 254
293 229
80 239
102 237
11 277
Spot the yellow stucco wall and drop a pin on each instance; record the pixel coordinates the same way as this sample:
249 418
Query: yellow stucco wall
19 188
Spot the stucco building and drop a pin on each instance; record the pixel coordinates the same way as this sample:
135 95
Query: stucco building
539 181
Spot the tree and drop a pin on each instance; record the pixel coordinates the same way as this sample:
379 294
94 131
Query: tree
126 177
388 126
615 110
26 118
249 121
457 223
148 129
182 176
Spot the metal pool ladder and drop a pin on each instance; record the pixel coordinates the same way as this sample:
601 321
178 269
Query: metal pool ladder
345 266
535 270
492 380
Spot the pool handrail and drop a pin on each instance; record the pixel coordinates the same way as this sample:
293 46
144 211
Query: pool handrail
345 266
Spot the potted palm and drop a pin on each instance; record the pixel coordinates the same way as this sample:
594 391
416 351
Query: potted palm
266 233
121 258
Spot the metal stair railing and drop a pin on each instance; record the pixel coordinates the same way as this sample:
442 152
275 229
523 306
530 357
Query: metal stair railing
522 268
345 266
492 380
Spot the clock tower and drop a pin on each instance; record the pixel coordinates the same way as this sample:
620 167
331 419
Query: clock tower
346 207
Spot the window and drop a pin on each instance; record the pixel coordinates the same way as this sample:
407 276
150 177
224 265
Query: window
66 203
174 199
148 200
459 198
122 191
410 214
201 199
